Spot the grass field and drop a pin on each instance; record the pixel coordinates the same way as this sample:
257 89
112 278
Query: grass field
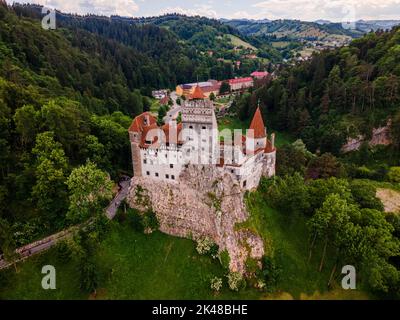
132 266
280 44
237 42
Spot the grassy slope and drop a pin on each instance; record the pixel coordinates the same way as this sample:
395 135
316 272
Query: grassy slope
157 266
237 42
132 266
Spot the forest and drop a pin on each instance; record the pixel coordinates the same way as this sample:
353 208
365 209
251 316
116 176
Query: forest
66 97
338 94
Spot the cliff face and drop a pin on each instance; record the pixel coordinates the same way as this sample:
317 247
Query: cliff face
380 136
206 202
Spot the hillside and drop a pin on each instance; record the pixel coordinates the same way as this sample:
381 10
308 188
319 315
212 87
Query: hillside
290 29
338 94
173 38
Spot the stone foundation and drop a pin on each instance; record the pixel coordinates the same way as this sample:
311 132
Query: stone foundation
206 202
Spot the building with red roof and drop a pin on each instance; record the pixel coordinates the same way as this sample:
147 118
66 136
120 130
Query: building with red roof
259 75
239 84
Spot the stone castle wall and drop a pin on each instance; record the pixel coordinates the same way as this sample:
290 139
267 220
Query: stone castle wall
206 202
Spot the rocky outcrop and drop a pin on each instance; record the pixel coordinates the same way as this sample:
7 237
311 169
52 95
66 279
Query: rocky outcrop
380 136
206 202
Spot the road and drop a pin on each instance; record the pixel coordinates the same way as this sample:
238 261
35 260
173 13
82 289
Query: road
42 245
121 196
173 113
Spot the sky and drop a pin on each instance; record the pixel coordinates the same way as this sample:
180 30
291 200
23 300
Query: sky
307 10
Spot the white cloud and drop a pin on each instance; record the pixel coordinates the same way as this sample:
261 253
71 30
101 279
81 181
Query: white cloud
126 8
336 10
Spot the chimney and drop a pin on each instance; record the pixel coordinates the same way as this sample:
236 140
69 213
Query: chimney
273 141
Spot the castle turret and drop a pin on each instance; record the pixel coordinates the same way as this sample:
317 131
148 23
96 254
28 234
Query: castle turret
257 134
137 135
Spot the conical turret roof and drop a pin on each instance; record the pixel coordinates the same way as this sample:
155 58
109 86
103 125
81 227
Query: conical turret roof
257 125
197 93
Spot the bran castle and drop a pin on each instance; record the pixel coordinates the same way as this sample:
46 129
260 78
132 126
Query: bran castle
194 177
162 153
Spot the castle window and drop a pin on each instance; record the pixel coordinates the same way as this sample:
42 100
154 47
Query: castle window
173 177
157 175
148 173
167 176
145 161
171 166
204 128
244 184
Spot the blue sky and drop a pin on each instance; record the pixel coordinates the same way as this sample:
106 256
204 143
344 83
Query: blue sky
309 10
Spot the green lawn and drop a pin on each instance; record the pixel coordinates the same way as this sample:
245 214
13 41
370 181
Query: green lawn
132 266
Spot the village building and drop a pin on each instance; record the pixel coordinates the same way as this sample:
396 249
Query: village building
208 87
159 94
259 75
239 84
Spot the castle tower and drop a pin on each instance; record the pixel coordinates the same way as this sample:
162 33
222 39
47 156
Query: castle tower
200 129
137 135
257 135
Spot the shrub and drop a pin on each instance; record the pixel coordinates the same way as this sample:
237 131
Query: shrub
271 271
364 193
63 252
216 284
207 246
225 259
235 281
150 221
134 220
251 266
394 174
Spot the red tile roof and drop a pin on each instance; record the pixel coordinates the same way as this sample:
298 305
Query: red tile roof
174 135
197 94
259 74
258 125
138 123
268 148
164 101
240 80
